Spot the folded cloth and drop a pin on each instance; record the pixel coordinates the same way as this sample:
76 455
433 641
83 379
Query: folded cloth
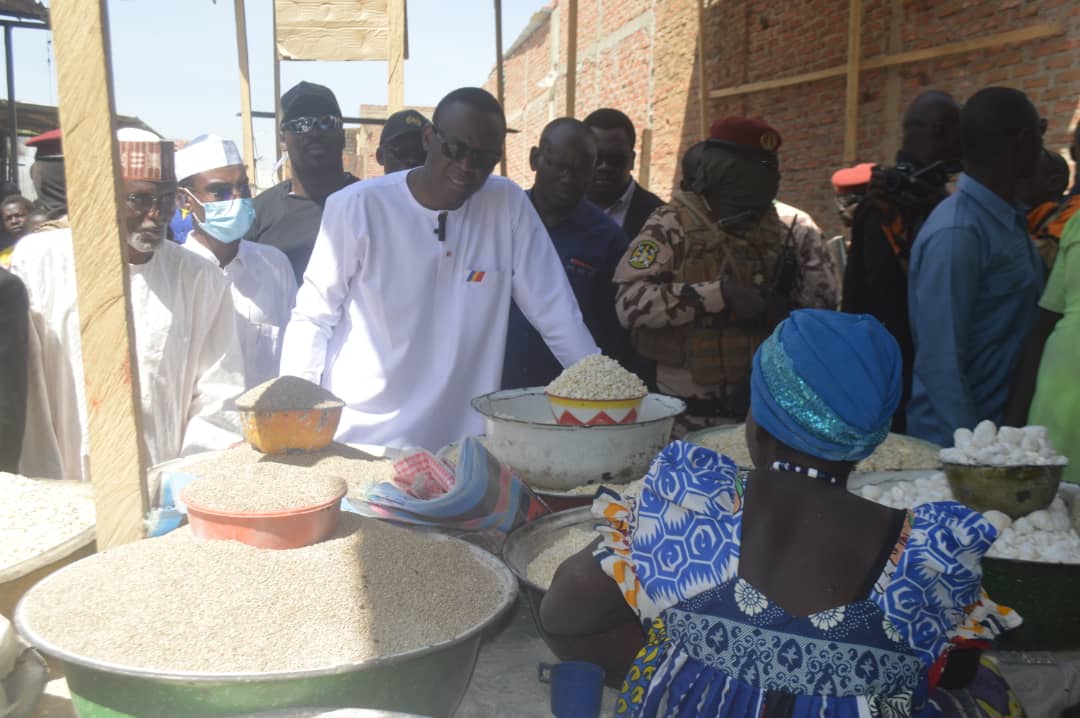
484 495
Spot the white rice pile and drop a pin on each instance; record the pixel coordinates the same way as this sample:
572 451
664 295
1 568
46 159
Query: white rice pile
178 603
597 378
541 570
39 514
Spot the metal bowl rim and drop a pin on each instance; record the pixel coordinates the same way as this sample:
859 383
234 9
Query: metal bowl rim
510 592
561 518
678 407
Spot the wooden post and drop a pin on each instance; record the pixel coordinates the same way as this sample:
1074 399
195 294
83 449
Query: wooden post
117 457
395 47
571 57
645 158
500 77
278 172
12 170
245 92
854 61
703 103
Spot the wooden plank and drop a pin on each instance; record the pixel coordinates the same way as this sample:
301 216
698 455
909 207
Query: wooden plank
333 30
500 75
245 91
395 66
117 457
571 57
279 172
854 60
1012 37
1035 32
703 102
645 158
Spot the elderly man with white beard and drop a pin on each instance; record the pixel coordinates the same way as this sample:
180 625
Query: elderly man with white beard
186 347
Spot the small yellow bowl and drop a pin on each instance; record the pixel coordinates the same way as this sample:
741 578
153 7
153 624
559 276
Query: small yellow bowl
279 432
589 412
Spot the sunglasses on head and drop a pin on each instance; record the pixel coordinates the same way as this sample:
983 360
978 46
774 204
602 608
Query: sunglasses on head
457 151
303 125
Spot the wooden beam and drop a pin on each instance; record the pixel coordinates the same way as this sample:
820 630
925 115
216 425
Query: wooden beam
703 103
395 45
278 172
500 76
1012 37
854 60
571 57
645 158
117 457
245 91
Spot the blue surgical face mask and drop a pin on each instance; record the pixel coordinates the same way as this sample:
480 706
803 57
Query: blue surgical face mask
229 220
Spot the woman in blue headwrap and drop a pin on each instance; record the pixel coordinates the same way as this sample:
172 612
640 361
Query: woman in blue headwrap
782 594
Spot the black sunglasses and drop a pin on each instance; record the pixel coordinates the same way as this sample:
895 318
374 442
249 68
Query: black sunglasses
457 151
303 125
143 202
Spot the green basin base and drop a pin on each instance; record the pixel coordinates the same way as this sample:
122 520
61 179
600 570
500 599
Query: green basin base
430 685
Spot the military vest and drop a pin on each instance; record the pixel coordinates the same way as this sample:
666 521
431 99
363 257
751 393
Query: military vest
717 351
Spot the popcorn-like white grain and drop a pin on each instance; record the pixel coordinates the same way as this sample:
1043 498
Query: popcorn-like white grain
597 378
39 514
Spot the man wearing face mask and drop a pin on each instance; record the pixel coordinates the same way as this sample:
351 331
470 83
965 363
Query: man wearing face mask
287 215
404 307
214 188
187 353
711 274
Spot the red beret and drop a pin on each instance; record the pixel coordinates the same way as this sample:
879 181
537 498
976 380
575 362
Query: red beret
48 144
851 178
746 132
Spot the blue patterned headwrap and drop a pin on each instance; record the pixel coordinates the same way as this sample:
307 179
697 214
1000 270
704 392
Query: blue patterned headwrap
827 384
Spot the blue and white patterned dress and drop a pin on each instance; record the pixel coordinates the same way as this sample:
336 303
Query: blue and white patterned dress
719 647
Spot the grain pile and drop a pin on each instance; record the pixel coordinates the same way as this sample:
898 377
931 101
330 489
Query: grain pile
264 488
597 378
360 471
178 603
896 453
38 514
287 393
541 570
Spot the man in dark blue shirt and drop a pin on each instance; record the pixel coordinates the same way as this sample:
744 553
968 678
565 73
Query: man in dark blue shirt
589 243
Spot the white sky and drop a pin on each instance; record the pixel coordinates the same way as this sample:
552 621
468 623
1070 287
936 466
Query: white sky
175 67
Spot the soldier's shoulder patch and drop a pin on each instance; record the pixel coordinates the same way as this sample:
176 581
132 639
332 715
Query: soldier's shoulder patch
644 254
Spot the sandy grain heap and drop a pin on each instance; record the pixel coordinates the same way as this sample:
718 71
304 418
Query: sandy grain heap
287 393
39 514
178 603
264 488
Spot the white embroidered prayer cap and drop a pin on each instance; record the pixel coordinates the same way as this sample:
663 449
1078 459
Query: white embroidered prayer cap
206 152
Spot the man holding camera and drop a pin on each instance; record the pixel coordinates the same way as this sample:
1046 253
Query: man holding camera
898 201
711 274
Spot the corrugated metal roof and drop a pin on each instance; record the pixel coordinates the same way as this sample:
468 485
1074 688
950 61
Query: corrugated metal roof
24 10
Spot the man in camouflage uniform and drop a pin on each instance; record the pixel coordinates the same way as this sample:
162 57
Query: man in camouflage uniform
711 274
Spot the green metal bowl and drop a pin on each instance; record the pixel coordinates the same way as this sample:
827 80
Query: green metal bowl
1013 490
1044 594
428 681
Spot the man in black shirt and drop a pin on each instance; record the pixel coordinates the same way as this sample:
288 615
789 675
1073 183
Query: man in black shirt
899 199
401 145
287 215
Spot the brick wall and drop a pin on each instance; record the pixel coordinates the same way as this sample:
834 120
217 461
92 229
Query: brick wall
641 57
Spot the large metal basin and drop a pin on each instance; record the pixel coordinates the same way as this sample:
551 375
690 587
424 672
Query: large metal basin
429 681
521 432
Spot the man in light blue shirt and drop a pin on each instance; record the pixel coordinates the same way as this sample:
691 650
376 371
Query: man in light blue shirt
975 278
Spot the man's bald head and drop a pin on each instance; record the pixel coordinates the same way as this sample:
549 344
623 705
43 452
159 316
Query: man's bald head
932 128
563 161
566 131
1001 129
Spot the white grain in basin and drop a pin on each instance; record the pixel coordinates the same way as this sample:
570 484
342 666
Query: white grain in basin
39 514
597 378
541 570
